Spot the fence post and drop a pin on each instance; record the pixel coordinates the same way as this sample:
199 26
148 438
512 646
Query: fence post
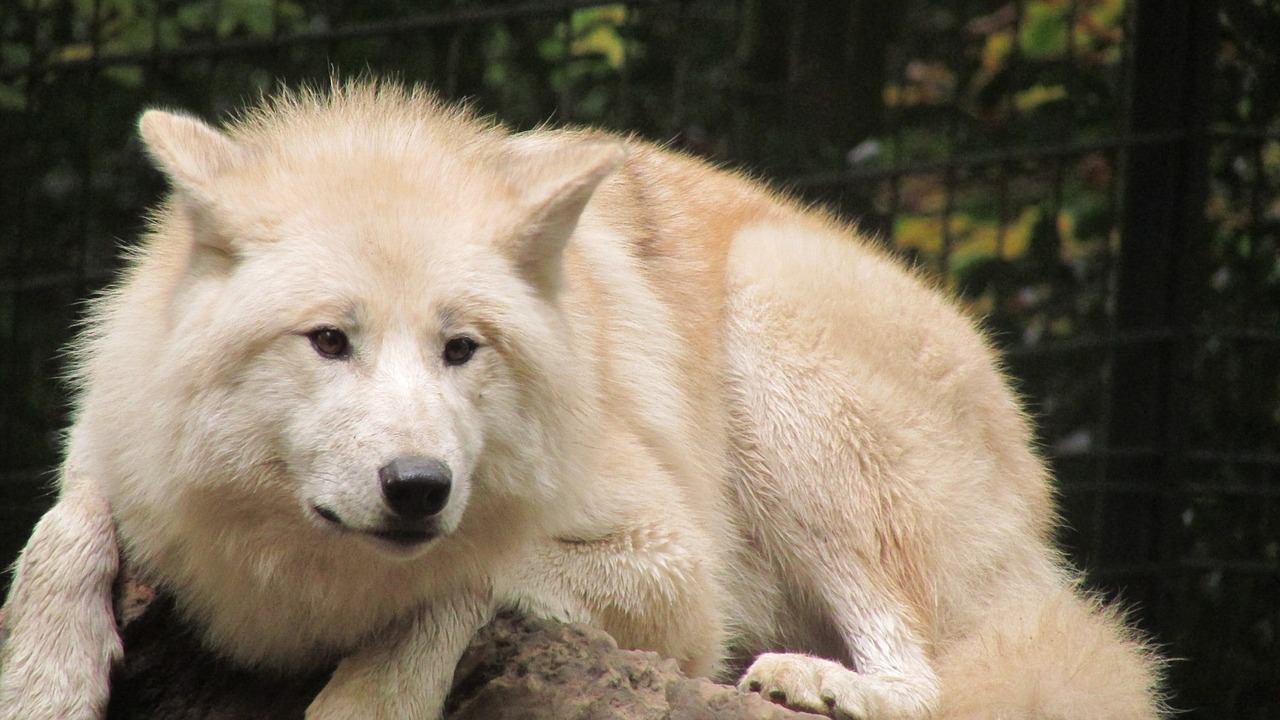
1159 285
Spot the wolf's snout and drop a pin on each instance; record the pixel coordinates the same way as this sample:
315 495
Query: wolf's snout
415 487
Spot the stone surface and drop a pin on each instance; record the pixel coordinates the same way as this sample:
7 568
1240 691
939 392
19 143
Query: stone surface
515 668
524 668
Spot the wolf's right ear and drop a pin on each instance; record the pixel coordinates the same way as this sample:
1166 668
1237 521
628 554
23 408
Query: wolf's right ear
186 149
192 154
555 182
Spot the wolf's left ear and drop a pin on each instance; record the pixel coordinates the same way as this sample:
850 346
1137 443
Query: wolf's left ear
555 183
189 151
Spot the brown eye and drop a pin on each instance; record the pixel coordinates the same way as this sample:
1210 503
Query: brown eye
330 342
459 350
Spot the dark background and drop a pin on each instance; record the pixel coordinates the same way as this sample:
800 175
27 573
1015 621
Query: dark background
1098 179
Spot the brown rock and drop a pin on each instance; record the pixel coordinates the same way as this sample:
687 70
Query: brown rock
516 667
528 669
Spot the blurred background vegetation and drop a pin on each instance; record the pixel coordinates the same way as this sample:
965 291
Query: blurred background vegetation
1097 179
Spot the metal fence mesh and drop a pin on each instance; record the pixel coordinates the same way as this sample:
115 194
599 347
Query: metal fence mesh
1100 179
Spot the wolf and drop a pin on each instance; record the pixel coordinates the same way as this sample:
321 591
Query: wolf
381 366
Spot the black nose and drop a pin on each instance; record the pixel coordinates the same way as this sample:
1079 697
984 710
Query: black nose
415 487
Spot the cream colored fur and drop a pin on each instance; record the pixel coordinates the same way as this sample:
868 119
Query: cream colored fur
701 417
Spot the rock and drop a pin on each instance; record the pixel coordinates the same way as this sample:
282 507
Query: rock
530 669
516 667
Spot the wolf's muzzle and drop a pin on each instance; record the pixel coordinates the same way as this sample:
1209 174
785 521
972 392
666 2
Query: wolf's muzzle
415 487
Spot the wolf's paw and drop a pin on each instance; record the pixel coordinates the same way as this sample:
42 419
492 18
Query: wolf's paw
821 686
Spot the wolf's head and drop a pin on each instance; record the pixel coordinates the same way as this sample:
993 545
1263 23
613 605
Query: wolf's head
363 330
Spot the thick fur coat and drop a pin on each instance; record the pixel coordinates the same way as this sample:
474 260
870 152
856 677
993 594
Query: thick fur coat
380 367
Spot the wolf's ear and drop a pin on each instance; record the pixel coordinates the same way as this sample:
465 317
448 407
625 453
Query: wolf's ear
555 182
189 151
192 154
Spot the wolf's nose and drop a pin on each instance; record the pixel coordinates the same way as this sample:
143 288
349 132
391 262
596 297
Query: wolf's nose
415 487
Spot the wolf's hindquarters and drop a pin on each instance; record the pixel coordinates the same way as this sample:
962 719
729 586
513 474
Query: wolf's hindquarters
1064 656
885 471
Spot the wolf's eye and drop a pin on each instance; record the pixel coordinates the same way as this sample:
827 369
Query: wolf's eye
459 350
330 342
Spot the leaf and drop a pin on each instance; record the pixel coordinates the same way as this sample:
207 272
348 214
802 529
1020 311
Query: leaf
552 49
12 98
1038 95
75 51
595 32
193 15
996 50
126 75
1045 32
253 15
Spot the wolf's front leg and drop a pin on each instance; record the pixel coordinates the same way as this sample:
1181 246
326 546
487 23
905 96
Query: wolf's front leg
893 680
407 673
648 581
63 640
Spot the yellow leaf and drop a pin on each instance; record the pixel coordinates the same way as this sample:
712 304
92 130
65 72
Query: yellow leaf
1037 95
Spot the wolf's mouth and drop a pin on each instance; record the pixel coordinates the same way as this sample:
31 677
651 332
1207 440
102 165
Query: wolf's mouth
402 538
327 515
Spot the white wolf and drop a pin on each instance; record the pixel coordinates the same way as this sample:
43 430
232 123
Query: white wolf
380 367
